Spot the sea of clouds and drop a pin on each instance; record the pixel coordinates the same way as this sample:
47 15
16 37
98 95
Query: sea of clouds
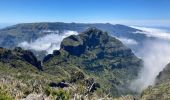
127 41
154 32
47 42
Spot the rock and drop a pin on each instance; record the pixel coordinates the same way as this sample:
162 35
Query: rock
164 75
36 97
9 56
73 45
18 49
76 76
61 84
126 97
53 84
48 57
30 58
56 52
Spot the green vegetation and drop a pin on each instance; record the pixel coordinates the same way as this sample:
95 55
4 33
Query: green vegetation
4 95
157 92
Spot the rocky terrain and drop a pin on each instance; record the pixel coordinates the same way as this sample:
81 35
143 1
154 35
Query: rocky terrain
23 77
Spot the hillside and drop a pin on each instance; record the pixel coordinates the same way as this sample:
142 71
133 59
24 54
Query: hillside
164 75
161 89
22 77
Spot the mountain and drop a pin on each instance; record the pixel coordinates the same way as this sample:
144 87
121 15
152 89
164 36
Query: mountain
99 55
11 36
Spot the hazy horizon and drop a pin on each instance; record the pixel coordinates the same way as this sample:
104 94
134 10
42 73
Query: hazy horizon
3 25
129 12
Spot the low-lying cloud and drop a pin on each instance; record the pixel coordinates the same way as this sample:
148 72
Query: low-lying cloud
153 32
127 41
48 42
156 55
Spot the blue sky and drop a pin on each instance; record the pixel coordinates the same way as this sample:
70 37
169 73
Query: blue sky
131 12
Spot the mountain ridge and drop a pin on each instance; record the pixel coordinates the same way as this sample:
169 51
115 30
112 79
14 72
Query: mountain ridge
11 36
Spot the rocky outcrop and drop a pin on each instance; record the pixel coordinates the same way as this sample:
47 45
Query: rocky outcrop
94 39
9 56
37 97
164 75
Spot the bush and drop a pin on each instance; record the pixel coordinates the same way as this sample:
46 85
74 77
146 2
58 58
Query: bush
5 96
58 94
61 95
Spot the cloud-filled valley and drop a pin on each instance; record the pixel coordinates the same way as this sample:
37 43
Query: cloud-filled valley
48 42
154 32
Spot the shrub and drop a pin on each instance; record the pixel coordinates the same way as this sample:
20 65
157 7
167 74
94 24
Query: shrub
5 96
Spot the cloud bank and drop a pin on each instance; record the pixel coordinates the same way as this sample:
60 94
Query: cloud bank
155 54
48 42
127 41
153 32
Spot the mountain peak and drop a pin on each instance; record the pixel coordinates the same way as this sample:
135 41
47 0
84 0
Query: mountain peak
96 53
91 39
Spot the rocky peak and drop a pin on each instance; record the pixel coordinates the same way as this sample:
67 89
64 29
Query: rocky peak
97 54
8 56
92 39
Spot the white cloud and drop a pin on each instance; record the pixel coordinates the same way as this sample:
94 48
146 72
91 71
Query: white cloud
153 32
48 42
127 41
156 55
